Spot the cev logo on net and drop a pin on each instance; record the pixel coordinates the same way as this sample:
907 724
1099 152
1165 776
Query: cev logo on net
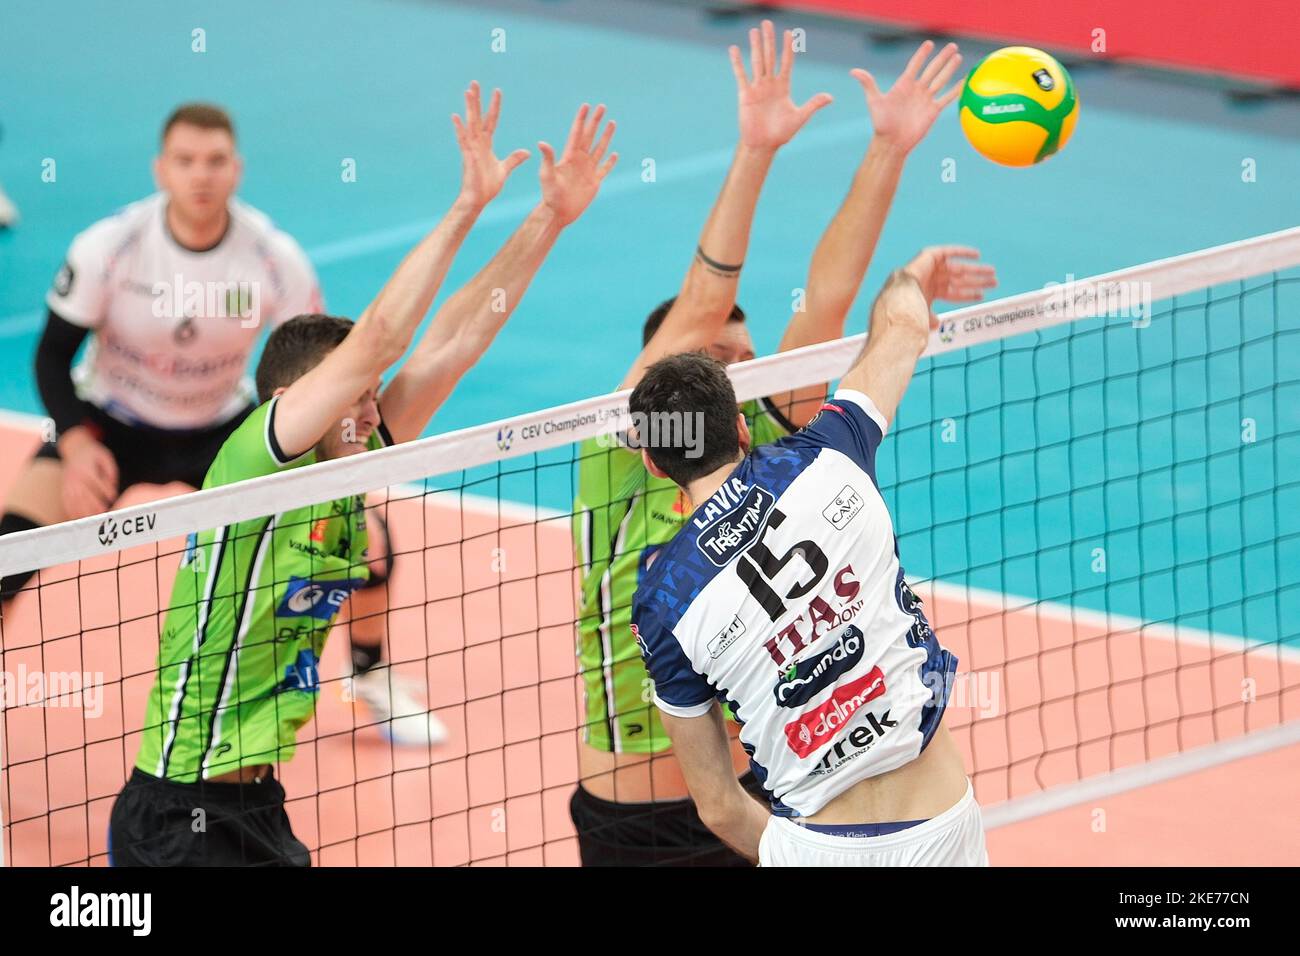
109 529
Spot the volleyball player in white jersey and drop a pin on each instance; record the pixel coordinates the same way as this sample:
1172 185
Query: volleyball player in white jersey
783 596
173 292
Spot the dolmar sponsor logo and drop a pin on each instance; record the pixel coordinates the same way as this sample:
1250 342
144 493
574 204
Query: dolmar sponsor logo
809 731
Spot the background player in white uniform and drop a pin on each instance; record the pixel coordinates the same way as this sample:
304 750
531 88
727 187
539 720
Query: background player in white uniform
173 292
783 596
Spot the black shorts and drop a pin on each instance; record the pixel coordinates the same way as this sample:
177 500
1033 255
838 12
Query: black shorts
157 456
670 833
156 823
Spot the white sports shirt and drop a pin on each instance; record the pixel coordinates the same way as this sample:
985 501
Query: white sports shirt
173 328
783 597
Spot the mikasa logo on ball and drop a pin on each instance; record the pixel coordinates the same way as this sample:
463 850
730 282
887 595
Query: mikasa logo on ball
995 108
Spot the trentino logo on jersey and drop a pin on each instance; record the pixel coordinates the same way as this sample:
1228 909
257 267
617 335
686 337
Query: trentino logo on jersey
319 599
806 679
809 731
731 519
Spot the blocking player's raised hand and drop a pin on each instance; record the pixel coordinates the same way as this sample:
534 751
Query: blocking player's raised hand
946 272
768 116
904 114
570 183
482 174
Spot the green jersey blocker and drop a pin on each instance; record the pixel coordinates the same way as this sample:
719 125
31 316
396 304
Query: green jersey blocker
250 610
621 517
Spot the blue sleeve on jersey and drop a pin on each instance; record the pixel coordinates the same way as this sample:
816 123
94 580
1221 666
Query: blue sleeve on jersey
678 688
850 423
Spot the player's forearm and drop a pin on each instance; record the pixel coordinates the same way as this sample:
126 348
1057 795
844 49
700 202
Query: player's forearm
738 822
54 357
466 325
899 333
476 313
405 299
709 289
844 252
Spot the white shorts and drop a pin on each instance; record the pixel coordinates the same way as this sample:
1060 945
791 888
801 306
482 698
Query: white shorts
953 838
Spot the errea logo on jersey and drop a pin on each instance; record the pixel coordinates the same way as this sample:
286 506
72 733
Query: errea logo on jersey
319 599
731 519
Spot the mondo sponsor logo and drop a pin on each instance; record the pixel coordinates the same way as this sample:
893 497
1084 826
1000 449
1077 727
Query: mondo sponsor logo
806 679
318 599
809 731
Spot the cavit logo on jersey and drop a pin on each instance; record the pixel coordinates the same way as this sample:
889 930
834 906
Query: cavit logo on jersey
809 731
843 508
731 519
806 679
318 599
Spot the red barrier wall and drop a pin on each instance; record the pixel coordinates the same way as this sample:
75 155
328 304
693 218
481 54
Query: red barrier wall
1258 39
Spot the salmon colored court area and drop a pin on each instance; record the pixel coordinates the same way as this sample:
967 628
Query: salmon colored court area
1045 701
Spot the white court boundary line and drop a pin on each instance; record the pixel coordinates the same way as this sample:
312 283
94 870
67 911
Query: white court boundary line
605 414
1140 775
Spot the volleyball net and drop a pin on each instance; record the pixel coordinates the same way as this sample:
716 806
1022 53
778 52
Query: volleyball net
1095 493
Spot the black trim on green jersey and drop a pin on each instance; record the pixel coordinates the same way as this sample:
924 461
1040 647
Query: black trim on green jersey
769 406
384 434
272 444
607 612
175 722
246 596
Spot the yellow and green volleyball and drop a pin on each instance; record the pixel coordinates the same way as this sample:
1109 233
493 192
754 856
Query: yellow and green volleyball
1018 106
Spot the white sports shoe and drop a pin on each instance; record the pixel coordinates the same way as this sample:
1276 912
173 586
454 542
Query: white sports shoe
8 211
397 708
